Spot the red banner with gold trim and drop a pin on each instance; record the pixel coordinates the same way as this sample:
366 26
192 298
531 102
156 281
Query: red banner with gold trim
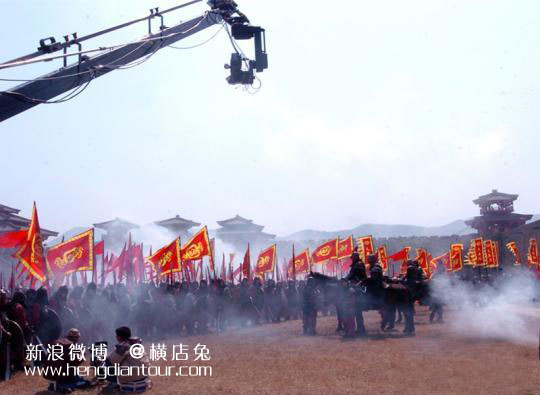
266 261
345 248
166 260
301 263
490 257
73 255
30 254
197 247
456 258
366 247
532 255
325 251
478 257
383 257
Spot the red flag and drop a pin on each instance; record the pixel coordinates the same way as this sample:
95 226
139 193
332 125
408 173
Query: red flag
75 254
325 251
266 261
490 257
532 255
456 259
197 247
301 263
166 260
366 245
403 256
345 248
422 259
246 265
476 252
30 254
383 258
13 239
99 248
444 260
512 246
223 272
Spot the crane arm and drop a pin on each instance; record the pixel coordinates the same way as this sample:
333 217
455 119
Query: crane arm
79 74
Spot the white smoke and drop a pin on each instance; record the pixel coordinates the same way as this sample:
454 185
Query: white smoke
152 235
502 311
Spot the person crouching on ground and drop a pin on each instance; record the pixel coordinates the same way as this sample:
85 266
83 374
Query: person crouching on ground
135 381
65 379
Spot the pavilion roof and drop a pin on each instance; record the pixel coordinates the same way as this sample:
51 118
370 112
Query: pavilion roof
495 196
116 223
7 209
177 221
236 220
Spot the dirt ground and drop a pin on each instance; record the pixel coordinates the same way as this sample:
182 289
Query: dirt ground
277 359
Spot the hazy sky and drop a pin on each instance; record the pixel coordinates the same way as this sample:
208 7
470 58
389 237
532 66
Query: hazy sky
379 112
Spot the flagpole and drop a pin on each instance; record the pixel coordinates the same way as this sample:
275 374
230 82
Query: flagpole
293 265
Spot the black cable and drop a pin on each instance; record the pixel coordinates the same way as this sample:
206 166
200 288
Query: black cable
32 100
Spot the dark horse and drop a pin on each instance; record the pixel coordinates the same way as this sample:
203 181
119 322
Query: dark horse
392 297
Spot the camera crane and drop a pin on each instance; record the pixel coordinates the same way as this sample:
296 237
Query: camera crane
75 77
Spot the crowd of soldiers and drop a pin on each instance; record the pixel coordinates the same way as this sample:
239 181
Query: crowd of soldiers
182 308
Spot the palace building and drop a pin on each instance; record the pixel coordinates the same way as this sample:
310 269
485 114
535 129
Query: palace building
178 226
117 233
497 214
240 231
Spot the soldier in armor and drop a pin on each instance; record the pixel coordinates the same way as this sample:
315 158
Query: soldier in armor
357 272
219 304
292 300
187 308
310 308
259 300
203 307
410 281
245 304
374 284
16 311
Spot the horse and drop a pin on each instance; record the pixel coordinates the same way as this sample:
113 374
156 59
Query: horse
393 297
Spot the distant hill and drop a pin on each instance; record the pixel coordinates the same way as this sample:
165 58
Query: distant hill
378 230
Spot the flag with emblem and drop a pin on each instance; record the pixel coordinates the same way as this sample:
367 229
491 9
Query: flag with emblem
197 247
30 253
75 254
266 261
345 248
166 260
301 263
325 252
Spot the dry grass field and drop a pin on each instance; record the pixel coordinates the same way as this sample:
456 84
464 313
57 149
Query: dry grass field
276 359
